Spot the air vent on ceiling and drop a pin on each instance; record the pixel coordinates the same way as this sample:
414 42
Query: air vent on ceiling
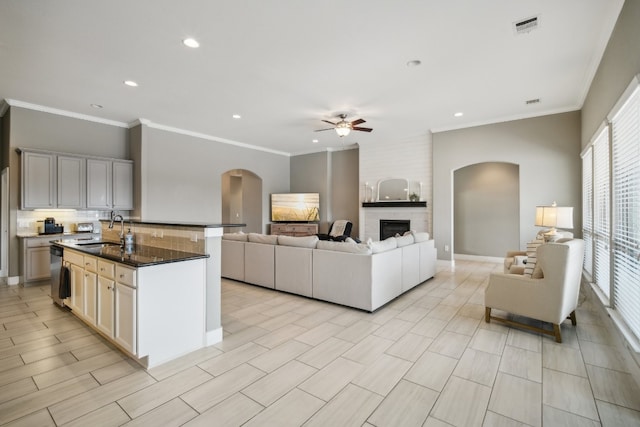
532 101
526 25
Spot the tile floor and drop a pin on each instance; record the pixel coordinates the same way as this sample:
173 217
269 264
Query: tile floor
427 358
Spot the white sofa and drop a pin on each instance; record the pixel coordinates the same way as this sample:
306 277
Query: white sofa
356 275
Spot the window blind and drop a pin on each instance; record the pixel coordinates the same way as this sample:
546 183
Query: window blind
601 212
587 210
626 210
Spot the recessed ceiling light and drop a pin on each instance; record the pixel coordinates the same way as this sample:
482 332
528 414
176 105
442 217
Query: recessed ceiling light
237 116
315 141
191 43
131 83
96 105
458 114
414 63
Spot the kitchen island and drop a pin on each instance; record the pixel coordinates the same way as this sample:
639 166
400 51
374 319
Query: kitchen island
148 301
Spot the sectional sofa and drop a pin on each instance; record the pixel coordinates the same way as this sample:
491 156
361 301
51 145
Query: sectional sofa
363 276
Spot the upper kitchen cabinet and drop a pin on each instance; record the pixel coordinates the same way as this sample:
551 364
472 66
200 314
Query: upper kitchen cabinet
66 181
109 184
71 191
38 180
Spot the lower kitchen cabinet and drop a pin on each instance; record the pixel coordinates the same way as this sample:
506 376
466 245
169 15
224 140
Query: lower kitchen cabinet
153 313
76 300
125 308
106 307
90 296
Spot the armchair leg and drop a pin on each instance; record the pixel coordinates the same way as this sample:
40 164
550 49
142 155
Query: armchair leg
487 314
556 332
572 316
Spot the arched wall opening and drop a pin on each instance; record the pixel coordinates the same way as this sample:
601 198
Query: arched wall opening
242 199
486 209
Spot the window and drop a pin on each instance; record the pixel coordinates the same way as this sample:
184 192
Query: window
625 161
611 212
587 210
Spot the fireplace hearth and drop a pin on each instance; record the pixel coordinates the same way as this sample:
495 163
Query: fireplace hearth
391 227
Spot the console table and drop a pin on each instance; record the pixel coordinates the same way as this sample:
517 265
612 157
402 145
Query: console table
294 229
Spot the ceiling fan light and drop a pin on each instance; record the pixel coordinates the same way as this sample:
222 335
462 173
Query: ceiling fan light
343 128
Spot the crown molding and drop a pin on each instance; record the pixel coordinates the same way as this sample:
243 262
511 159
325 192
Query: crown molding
210 137
65 113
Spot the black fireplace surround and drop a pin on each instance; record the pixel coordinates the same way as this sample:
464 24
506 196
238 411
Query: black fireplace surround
391 227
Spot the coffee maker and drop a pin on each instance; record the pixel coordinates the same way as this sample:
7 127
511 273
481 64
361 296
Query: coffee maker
50 226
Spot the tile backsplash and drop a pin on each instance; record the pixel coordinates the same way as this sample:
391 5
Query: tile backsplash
186 239
28 221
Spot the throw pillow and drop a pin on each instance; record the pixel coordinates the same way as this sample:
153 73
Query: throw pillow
300 242
269 239
338 228
421 236
353 248
240 237
384 245
530 269
404 240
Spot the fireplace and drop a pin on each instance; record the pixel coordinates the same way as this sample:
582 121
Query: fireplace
391 227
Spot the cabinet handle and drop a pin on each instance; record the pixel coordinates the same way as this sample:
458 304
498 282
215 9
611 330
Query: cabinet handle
101 269
122 276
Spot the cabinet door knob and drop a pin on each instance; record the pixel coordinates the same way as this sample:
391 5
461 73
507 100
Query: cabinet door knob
122 276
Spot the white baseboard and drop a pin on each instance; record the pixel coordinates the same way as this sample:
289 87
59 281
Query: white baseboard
213 337
12 281
479 258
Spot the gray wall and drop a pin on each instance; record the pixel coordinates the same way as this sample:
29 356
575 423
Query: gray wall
486 209
547 151
335 175
181 175
310 174
620 62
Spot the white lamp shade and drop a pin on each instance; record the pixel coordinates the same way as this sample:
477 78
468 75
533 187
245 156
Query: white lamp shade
554 216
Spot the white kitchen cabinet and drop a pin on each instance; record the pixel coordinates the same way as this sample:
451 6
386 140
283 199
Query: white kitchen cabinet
125 307
38 180
90 296
106 305
76 300
71 182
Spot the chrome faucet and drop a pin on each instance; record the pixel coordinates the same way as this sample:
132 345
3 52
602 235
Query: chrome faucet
121 219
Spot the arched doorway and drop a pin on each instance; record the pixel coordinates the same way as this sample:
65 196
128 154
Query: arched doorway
486 209
242 199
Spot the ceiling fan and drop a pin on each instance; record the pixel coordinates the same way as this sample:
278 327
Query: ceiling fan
343 127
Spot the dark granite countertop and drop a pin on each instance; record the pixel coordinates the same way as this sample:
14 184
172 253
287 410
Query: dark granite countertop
138 256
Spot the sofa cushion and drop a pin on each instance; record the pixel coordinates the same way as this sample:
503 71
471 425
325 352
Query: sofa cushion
270 239
240 237
405 240
384 245
420 236
300 242
354 248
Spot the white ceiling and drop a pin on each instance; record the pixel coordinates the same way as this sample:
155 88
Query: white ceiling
286 64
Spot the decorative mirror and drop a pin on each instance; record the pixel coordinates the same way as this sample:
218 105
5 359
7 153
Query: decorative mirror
393 189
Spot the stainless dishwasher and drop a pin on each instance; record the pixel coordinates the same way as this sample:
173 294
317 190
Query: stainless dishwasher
56 264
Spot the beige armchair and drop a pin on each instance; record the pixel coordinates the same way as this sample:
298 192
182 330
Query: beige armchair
510 264
552 298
